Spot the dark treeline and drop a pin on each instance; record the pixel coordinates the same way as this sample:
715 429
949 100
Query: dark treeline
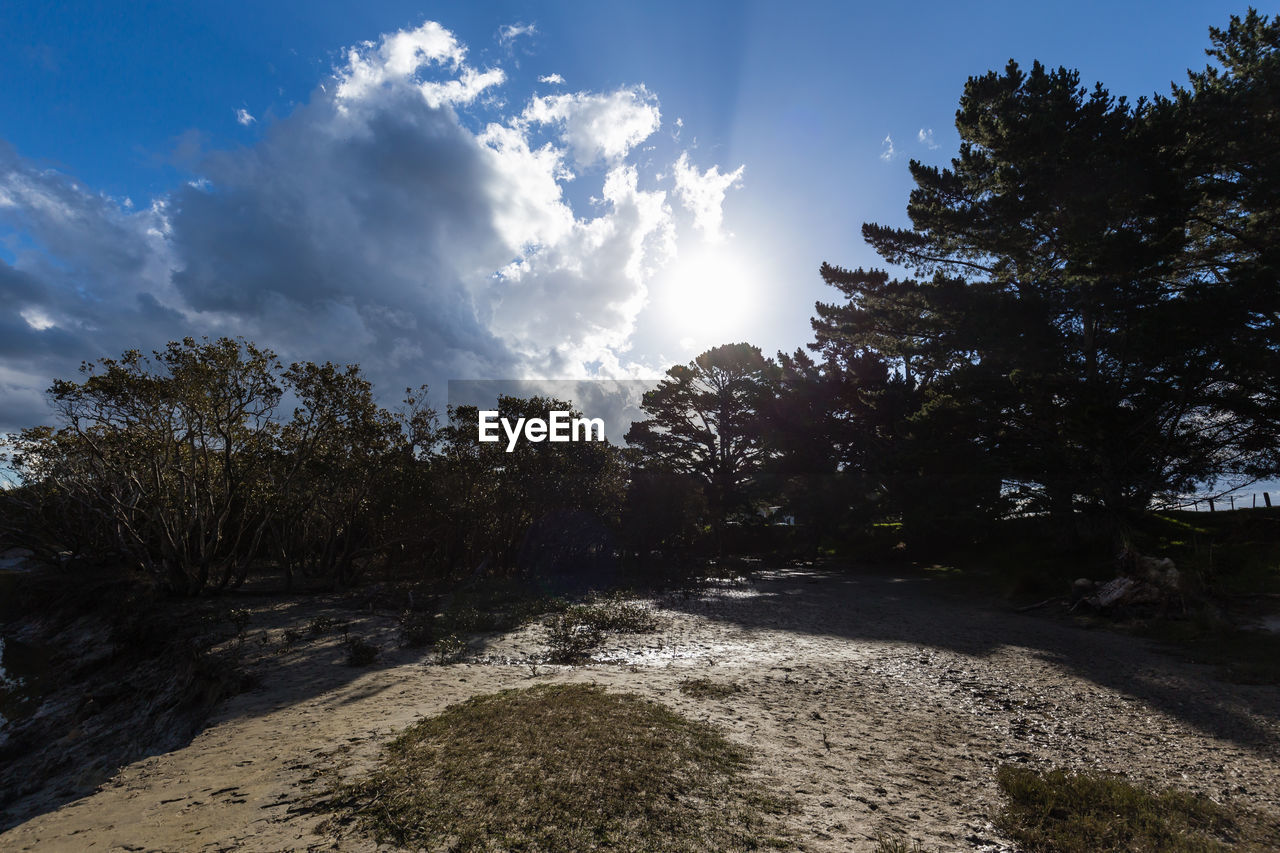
1086 321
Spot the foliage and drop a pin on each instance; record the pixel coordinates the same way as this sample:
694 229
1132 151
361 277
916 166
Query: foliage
545 506
1084 270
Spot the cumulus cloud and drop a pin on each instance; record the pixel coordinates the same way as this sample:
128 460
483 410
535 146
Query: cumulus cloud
702 194
598 127
926 138
402 57
551 78
887 151
378 223
243 117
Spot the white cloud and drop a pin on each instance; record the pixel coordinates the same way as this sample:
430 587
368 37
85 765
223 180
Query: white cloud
925 136
402 56
599 126
702 194
463 90
379 223
243 117
887 151
551 78
510 32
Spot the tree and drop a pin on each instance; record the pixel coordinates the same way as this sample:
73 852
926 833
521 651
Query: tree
335 471
1056 314
169 453
543 506
706 421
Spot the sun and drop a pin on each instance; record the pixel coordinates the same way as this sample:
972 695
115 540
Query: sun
709 294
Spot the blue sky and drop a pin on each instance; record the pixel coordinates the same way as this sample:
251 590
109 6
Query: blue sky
523 190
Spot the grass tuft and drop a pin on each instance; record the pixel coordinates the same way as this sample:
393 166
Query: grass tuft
563 768
1060 812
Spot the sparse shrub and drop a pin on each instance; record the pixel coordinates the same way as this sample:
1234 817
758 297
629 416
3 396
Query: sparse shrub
449 648
570 638
577 630
360 652
467 620
323 625
239 619
417 629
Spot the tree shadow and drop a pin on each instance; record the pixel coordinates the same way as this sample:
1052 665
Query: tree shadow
909 608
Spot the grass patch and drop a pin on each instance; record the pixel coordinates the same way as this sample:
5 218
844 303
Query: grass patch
563 768
1060 812
705 688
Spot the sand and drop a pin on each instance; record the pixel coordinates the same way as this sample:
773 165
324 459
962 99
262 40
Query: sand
881 705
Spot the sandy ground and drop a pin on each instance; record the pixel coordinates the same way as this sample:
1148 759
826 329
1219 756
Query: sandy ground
881 705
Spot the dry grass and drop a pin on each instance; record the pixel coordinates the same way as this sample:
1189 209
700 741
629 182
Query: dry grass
563 768
1060 812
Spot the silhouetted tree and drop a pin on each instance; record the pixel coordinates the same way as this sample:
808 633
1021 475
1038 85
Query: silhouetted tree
706 420
1066 326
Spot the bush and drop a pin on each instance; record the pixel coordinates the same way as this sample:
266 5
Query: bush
360 652
571 639
417 629
449 649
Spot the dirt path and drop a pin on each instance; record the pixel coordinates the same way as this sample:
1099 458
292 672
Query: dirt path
881 705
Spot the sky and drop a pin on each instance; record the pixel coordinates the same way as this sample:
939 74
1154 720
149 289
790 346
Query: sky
457 191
